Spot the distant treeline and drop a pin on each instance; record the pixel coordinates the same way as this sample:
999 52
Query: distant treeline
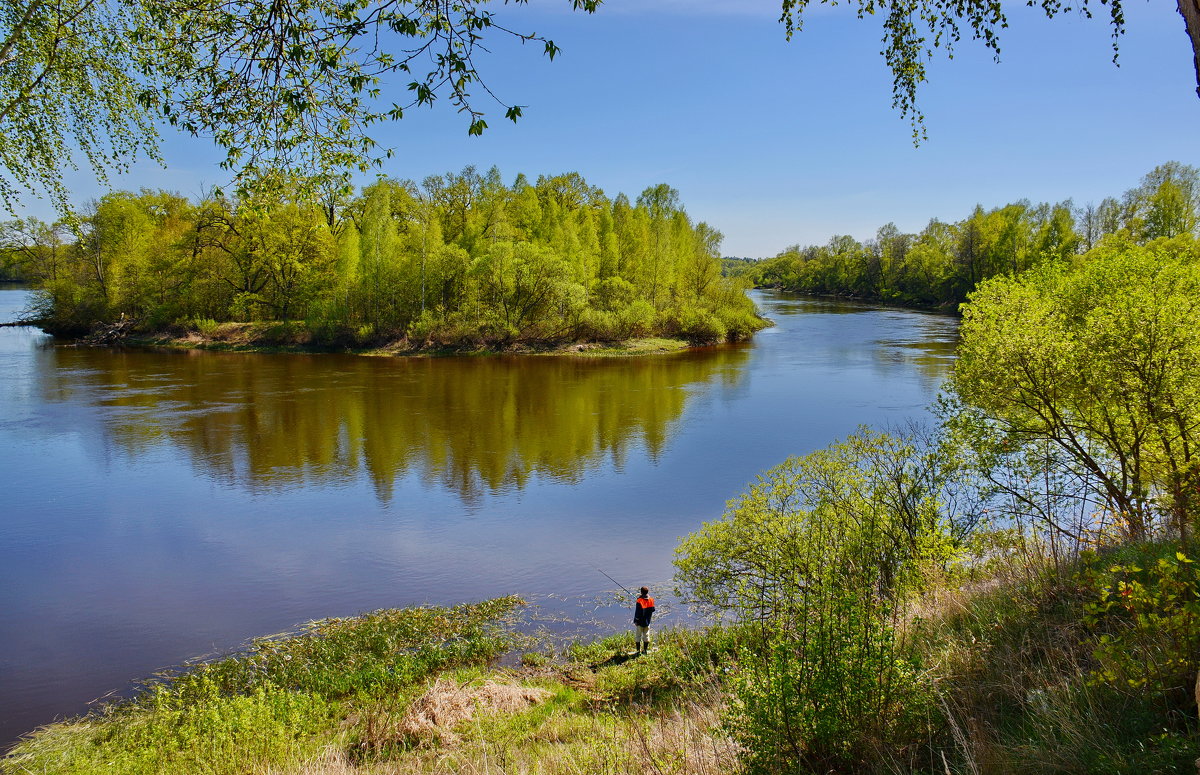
733 266
944 262
460 259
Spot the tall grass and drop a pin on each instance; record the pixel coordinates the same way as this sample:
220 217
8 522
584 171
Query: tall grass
1016 663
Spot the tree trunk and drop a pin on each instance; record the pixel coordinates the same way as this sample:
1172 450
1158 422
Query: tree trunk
1190 11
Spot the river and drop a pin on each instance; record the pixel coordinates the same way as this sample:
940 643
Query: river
159 506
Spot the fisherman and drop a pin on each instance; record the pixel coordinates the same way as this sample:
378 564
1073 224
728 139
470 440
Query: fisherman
643 609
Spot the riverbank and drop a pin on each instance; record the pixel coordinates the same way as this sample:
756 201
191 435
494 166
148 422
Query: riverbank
295 337
272 338
941 308
413 690
1016 659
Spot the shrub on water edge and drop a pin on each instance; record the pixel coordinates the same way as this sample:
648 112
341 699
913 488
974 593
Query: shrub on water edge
700 326
203 326
65 309
740 325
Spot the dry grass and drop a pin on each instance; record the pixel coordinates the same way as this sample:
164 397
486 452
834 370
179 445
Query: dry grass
682 741
447 704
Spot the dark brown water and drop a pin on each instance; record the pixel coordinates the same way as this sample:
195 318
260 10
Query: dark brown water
160 506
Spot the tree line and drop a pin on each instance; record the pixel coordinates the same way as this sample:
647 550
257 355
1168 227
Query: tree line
943 263
459 259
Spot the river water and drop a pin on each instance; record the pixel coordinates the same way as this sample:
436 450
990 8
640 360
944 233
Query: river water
159 506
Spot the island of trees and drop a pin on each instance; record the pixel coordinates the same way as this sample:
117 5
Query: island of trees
461 260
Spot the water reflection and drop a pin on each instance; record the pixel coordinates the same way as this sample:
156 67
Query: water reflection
472 425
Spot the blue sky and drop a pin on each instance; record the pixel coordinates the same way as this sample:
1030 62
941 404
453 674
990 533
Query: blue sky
777 142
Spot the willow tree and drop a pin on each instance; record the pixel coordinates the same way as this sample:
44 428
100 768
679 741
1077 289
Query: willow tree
289 87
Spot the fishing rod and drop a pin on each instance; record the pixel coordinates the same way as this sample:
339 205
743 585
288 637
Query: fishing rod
610 578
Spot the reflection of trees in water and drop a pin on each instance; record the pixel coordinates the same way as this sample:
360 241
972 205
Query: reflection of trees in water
932 357
926 340
470 424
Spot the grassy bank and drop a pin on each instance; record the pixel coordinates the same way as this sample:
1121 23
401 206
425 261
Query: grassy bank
1019 658
411 691
1086 666
1035 667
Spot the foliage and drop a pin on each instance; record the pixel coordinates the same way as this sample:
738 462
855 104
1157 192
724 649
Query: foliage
822 555
1013 657
68 80
1150 618
461 260
294 94
286 94
943 263
1100 360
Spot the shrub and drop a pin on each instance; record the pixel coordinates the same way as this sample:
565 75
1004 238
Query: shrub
204 326
838 699
637 320
1151 611
823 554
701 326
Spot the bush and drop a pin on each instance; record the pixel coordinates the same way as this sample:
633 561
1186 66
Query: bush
740 325
838 699
1151 613
824 554
701 326
637 320
204 326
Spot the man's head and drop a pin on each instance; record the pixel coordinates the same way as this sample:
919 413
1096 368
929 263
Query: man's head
645 591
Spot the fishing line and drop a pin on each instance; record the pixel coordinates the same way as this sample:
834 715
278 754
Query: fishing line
610 578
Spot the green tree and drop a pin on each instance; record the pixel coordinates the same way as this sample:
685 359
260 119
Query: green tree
1166 204
290 90
69 76
31 249
1102 361
382 267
